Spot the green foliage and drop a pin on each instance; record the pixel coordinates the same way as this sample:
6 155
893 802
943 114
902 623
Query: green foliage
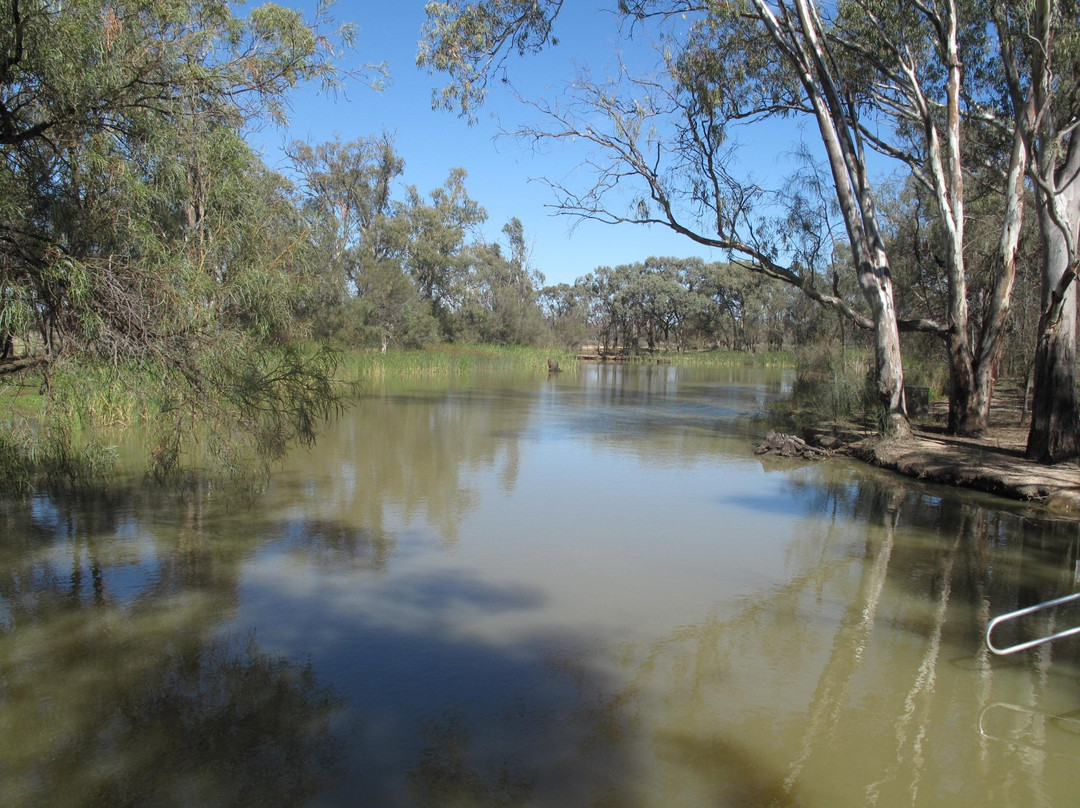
728 358
371 322
151 268
566 311
346 198
450 360
232 413
676 304
468 40
925 366
831 384
15 467
499 302
99 396
438 229
53 456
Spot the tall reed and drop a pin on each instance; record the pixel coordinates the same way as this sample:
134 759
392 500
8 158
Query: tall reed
450 360
725 358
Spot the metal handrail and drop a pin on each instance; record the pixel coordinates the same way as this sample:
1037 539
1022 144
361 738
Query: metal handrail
1063 722
1023 646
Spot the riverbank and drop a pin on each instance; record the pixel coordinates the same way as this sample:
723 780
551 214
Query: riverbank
993 463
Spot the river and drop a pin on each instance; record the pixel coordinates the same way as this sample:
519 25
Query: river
582 589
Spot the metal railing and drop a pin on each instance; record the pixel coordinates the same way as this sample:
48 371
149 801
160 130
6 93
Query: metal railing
1023 646
1026 719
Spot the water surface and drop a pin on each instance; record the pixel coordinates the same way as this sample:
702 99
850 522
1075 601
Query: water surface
575 590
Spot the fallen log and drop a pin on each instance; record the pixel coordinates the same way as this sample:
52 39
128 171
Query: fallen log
783 445
15 365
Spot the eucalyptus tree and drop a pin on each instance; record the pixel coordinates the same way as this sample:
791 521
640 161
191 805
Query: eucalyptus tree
656 301
950 97
720 322
600 289
565 308
912 92
501 291
387 310
406 260
130 226
1040 60
437 234
730 63
346 193
346 189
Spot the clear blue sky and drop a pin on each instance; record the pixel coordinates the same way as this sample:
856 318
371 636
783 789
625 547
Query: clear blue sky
501 171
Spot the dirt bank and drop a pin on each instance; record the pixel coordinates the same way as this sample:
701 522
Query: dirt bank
994 462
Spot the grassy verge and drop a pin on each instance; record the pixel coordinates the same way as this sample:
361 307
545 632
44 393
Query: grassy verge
20 398
763 359
829 387
67 434
449 360
82 394
70 433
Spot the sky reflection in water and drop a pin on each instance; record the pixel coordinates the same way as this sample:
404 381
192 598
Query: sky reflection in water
582 590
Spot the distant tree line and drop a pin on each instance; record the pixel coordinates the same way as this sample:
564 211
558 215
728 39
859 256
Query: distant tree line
145 247
974 104
405 269
676 304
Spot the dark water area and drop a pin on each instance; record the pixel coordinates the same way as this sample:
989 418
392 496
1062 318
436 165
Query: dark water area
575 590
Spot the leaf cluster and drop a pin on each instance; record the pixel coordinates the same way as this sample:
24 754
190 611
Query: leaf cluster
471 42
139 231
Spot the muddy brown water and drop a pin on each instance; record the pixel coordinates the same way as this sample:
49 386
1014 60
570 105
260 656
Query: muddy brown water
581 589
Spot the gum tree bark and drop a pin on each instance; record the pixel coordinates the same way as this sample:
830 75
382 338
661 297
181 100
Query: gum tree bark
922 75
1054 434
791 62
802 40
1043 39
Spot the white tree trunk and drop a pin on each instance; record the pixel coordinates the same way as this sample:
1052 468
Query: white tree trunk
807 53
1055 432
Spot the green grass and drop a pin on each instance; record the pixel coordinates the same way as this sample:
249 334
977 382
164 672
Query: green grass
828 387
721 358
84 393
105 396
20 398
67 433
360 366
449 360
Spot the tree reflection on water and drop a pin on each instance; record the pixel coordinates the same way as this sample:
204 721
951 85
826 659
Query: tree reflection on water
223 724
448 772
464 670
120 690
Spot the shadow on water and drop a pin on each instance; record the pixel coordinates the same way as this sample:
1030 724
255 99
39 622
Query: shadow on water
118 687
122 684
332 544
130 675
447 775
